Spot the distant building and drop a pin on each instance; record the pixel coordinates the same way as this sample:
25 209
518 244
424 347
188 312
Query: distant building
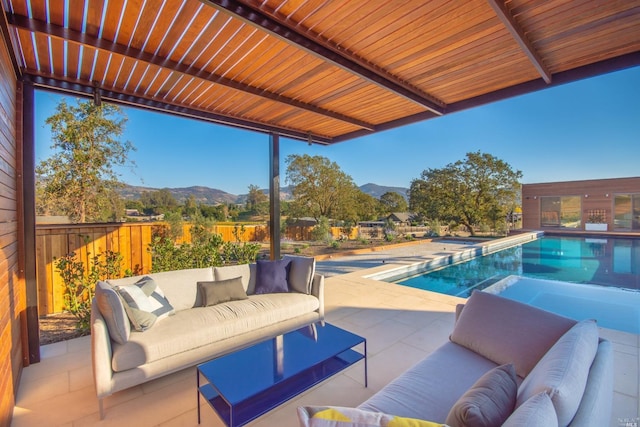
612 204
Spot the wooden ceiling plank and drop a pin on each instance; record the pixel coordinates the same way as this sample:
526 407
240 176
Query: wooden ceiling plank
94 18
76 14
379 77
73 36
520 37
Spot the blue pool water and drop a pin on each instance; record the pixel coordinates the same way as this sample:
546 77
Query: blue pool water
580 278
611 262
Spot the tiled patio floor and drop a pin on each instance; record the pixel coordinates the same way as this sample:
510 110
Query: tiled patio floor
402 325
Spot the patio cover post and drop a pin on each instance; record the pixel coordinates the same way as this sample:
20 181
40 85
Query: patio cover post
29 220
274 196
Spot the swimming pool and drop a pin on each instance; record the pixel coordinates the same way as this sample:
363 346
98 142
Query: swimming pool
601 261
575 277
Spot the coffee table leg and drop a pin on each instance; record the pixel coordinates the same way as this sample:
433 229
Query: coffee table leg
366 376
198 392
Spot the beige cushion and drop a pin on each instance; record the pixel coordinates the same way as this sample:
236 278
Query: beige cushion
206 325
530 334
429 389
179 286
113 312
536 411
301 271
335 416
231 271
563 371
488 402
220 291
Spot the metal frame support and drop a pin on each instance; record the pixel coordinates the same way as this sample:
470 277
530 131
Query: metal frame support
274 196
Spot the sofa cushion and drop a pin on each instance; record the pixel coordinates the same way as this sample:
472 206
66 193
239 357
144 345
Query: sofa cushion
179 286
220 291
429 389
301 272
112 310
206 325
488 402
563 371
272 276
531 331
245 271
335 416
536 411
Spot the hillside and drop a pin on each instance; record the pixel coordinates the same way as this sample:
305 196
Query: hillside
214 196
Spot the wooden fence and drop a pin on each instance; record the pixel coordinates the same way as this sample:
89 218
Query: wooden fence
131 240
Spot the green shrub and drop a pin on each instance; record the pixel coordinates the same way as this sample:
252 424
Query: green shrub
79 283
335 244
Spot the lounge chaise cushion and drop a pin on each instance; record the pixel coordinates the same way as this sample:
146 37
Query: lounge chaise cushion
272 276
536 411
335 416
220 291
484 313
112 310
563 371
488 402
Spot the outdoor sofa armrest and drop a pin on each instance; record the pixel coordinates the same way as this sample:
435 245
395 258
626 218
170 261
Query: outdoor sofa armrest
101 355
317 290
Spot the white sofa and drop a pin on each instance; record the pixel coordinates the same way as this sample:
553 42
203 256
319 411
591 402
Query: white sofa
507 364
124 357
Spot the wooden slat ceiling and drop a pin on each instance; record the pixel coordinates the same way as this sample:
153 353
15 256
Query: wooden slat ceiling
321 70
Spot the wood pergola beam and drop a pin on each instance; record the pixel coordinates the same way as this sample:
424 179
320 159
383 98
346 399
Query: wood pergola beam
58 32
83 88
520 37
330 53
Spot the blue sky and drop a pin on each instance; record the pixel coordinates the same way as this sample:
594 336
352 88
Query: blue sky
584 130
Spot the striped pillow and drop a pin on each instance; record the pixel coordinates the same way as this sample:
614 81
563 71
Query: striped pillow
145 303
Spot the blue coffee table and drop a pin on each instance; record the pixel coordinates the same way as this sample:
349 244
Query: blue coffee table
246 384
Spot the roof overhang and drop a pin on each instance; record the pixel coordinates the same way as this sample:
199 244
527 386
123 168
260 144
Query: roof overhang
316 71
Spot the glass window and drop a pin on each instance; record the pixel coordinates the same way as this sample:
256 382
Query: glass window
561 211
627 212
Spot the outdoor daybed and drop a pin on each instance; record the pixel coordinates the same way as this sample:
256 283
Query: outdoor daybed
506 363
190 316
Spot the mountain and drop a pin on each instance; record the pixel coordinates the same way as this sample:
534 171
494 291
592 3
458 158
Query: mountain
204 195
378 190
213 196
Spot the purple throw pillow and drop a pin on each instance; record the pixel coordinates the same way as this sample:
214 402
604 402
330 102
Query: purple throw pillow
271 276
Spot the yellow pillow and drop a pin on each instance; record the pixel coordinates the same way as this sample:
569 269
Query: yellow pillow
333 416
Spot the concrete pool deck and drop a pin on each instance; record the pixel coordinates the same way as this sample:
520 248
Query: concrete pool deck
402 325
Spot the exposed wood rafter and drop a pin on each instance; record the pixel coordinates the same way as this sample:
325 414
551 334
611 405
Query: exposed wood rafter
62 33
86 89
521 38
330 53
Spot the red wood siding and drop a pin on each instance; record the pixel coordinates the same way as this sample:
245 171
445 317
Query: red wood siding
12 290
595 195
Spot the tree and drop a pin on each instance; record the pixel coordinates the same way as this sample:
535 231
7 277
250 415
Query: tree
393 202
321 188
257 201
469 192
79 180
159 201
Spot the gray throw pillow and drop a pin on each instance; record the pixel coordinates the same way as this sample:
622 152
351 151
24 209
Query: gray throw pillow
221 291
272 276
536 411
489 402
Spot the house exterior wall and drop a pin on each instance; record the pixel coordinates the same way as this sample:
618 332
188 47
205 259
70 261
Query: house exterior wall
595 195
12 289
